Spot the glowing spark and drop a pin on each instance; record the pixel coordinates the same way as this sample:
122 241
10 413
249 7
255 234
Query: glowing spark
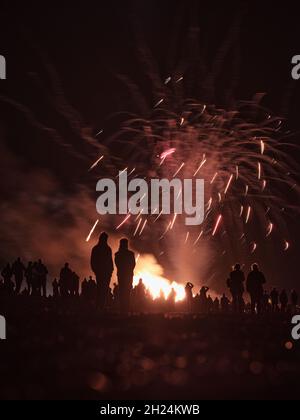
246 190
158 103
209 204
200 167
214 178
179 169
168 80
248 214
122 172
264 185
254 248
262 147
158 216
137 228
259 170
270 229
180 79
217 225
182 121
228 184
242 211
187 237
286 246
167 153
92 231
143 227
199 237
220 197
173 221
96 163
124 221
237 172
100 132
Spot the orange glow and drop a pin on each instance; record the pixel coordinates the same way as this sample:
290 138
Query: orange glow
152 275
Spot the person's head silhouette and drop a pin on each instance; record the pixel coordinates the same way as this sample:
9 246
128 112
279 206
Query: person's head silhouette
124 244
103 238
237 267
255 267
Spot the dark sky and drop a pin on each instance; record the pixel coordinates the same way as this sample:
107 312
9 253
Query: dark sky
89 44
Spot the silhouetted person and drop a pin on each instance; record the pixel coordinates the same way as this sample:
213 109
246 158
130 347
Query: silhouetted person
189 296
225 303
140 294
103 267
84 288
92 289
42 278
235 284
294 299
74 289
55 288
284 300
28 276
255 288
203 299
216 305
125 263
210 304
18 271
265 301
65 280
8 285
274 295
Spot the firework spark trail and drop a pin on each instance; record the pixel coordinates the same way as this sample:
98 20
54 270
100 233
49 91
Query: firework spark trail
96 163
143 227
137 228
124 221
92 231
217 225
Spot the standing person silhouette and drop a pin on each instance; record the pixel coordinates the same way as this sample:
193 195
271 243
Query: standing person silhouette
18 271
189 296
125 263
103 267
255 283
235 284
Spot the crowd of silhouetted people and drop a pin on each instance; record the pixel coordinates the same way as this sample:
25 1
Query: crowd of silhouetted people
31 280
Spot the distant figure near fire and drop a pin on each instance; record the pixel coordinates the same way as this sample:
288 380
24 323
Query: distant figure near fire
125 263
255 282
103 267
235 284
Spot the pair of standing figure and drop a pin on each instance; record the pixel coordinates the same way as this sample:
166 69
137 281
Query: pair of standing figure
103 267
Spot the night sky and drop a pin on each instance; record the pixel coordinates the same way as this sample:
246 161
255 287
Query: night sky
81 52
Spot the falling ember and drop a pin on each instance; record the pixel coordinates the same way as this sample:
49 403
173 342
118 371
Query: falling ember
179 169
262 147
173 221
167 153
92 231
143 227
96 163
246 190
158 103
217 225
242 211
270 229
264 185
158 216
209 204
254 247
286 246
200 167
124 221
199 237
187 237
137 228
259 170
237 172
214 178
228 184
248 214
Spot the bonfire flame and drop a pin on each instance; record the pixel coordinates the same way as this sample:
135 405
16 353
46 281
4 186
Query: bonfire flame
151 274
